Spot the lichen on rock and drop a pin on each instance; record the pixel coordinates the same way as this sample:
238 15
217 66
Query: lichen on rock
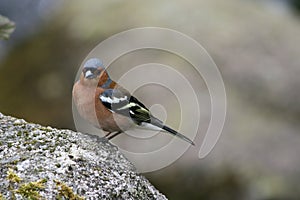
64 162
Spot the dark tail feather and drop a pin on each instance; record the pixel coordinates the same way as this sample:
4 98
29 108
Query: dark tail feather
159 124
169 130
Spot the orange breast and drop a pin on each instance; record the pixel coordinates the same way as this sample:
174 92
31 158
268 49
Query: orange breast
91 109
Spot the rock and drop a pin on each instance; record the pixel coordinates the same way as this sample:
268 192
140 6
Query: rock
66 164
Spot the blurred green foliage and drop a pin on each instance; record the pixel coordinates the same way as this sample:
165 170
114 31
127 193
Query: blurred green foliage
6 27
296 5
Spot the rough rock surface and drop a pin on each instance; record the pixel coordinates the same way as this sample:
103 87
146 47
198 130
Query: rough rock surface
91 167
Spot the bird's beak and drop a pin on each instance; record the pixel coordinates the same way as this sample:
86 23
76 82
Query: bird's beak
88 74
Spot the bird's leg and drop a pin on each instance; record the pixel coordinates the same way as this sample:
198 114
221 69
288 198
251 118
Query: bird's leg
114 135
107 134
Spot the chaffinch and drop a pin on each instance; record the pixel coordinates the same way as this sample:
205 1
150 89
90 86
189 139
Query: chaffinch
108 106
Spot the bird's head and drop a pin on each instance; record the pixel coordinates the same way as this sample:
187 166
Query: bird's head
94 73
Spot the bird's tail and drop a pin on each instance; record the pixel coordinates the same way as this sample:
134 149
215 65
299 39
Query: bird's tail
158 123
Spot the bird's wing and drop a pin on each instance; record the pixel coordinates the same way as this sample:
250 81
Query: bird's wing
121 102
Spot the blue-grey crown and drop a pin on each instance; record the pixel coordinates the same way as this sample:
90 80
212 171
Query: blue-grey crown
93 63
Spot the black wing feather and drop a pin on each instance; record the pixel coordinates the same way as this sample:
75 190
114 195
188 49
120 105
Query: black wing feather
123 103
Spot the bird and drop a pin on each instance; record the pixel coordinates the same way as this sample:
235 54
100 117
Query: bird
110 107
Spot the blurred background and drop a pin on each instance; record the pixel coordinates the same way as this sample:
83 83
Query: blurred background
254 43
